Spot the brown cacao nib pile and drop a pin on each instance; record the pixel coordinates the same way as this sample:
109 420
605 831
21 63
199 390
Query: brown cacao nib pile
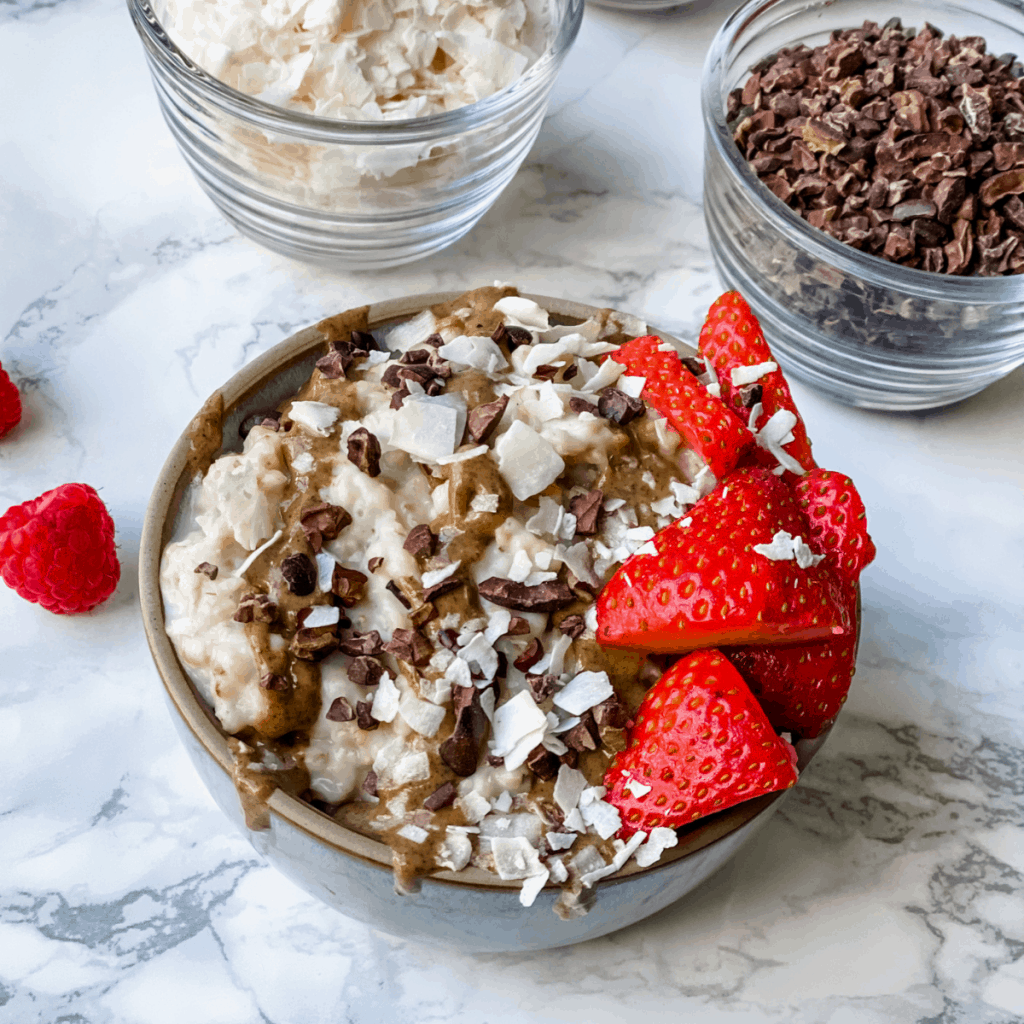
907 146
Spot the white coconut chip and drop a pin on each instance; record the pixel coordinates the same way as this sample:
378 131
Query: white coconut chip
521 567
659 840
413 833
525 312
240 571
484 503
325 563
385 703
318 417
487 701
569 785
480 653
303 463
532 886
421 716
684 493
458 673
742 375
479 352
515 858
518 727
667 506
560 840
804 556
497 625
474 806
439 498
778 431
547 520
558 870
430 428
584 691
502 802
756 411
375 358
526 460
322 615
623 851
455 851
464 456
632 386
602 817
647 549
435 576
413 767
613 504
579 559
638 789
404 336
608 373
574 820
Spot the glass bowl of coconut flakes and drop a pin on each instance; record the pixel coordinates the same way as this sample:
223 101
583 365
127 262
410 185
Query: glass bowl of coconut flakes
363 135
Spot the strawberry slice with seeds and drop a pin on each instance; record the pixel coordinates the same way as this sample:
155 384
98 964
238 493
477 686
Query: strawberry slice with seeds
802 688
708 586
733 342
703 420
838 521
700 743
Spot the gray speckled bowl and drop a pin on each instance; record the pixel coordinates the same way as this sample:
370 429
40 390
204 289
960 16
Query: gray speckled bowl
473 910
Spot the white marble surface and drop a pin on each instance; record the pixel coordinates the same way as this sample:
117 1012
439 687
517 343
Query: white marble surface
890 887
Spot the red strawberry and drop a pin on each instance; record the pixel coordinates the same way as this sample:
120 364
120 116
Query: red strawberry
838 521
713 432
802 688
707 587
731 338
700 743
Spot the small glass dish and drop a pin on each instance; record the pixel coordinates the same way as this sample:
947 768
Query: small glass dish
642 6
355 194
864 331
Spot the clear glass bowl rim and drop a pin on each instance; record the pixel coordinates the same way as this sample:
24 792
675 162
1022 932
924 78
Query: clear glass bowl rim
979 291
309 127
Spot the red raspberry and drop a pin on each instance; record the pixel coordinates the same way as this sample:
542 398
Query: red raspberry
10 404
58 550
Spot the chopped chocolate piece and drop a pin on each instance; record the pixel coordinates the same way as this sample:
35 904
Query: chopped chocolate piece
399 596
255 608
585 735
364 451
362 644
397 374
542 763
533 653
1002 185
571 758
421 541
573 625
495 762
209 569
340 711
323 522
411 646
570 372
543 597
299 573
375 563
365 720
269 681
542 687
611 714
363 340
578 405
443 587
619 407
348 585
461 751
434 387
518 336
545 371
314 644
434 341
365 671
415 355
751 394
694 365
587 510
334 365
500 335
441 797
482 420
448 638
423 614
501 672
370 783
518 626
399 397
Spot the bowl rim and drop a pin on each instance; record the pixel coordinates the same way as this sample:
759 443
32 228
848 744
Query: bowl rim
196 715
170 58
823 247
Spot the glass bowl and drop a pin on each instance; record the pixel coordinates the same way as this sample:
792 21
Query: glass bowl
641 5
864 331
356 194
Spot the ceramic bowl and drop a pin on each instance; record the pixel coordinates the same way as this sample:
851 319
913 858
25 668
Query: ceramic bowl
472 910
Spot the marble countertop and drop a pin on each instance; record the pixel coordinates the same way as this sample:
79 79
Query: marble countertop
890 888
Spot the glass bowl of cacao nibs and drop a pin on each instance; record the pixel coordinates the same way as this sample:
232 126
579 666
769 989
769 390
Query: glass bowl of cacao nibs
864 189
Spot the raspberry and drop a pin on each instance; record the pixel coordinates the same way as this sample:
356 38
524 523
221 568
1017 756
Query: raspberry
10 404
58 550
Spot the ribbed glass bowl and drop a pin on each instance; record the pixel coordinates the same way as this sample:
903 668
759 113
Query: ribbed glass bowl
865 331
356 194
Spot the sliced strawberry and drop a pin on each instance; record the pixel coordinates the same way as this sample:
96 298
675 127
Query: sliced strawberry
708 587
708 427
700 743
732 338
839 529
802 688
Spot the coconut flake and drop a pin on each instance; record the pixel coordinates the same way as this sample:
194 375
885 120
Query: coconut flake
659 840
602 817
560 840
637 788
623 851
805 557
475 807
608 373
777 432
756 410
385 703
469 453
517 728
480 653
632 386
325 563
527 462
521 567
429 428
318 417
435 576
424 718
569 785
479 352
484 503
303 463
322 615
525 312
584 691
515 858
547 520
574 820
402 337
742 375
240 571
532 886
413 767
455 851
